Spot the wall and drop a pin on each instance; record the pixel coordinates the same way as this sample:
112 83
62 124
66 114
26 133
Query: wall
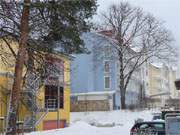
88 70
64 114
90 105
23 112
161 81
6 72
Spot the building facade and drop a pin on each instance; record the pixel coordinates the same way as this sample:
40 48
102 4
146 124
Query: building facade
41 107
161 83
95 76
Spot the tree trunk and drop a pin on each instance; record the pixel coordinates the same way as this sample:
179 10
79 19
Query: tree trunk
16 89
123 100
122 85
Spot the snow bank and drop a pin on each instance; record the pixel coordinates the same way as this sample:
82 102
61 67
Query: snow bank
116 117
82 128
100 123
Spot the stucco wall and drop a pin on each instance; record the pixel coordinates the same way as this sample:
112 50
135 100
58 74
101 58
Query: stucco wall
23 111
90 105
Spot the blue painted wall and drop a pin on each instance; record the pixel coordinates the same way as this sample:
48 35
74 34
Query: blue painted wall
87 73
87 70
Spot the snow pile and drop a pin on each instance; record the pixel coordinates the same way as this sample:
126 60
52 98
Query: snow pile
100 123
122 119
82 128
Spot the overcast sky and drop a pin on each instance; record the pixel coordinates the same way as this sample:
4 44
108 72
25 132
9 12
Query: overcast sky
165 10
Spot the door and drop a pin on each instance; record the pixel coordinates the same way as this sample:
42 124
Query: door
52 124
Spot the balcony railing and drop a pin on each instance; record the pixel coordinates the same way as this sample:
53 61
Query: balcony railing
51 104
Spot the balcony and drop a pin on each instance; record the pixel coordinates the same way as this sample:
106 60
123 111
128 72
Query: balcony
51 104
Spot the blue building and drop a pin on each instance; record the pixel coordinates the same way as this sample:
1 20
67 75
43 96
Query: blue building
95 76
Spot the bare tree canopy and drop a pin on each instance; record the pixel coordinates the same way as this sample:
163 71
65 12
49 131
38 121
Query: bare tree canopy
137 37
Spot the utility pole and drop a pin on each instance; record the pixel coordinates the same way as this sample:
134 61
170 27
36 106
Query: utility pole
22 53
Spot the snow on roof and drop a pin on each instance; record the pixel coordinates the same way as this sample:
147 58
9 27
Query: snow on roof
110 34
160 65
94 93
136 48
157 64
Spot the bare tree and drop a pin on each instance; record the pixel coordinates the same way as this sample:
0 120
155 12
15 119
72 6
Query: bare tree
137 37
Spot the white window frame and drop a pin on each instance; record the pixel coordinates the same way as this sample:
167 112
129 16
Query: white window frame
105 83
109 66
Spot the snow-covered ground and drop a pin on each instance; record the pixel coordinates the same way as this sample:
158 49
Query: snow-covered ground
100 123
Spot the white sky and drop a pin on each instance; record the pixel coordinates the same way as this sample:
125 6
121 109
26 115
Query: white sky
165 10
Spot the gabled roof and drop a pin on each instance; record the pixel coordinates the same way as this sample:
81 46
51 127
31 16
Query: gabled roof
109 34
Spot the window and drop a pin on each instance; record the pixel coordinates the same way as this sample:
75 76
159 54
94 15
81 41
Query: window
107 66
173 126
61 104
106 82
107 51
143 126
158 126
51 97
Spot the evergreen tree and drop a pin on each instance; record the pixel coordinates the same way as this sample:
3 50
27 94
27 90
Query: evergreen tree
41 26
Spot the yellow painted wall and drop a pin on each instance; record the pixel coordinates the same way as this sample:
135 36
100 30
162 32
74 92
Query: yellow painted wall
7 61
23 112
166 74
3 84
174 92
6 70
153 84
64 114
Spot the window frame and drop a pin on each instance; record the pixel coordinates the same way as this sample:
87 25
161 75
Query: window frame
104 63
105 82
52 92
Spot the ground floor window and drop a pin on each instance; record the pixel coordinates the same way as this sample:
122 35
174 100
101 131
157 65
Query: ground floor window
51 97
106 82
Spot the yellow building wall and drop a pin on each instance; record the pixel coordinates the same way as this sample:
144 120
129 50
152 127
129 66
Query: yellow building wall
7 64
161 80
64 114
7 61
174 92
153 83
6 71
3 83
